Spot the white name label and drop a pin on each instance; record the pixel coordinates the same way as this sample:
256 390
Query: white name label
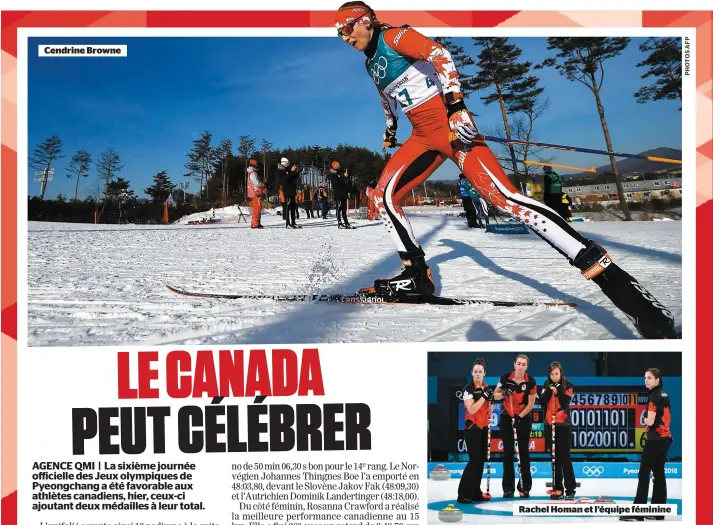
91 50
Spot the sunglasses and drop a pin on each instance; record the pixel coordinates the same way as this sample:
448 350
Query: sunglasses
348 29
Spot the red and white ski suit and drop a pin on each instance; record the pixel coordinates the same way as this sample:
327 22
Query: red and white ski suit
256 189
429 146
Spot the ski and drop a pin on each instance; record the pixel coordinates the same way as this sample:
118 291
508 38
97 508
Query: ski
366 298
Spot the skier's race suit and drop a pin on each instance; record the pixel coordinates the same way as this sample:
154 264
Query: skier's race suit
418 74
414 72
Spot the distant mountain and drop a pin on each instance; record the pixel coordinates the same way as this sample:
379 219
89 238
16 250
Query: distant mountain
639 165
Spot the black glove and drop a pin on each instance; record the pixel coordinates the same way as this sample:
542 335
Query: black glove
478 393
390 136
489 395
556 385
509 387
516 421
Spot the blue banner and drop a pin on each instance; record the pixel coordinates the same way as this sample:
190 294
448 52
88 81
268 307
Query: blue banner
582 470
508 228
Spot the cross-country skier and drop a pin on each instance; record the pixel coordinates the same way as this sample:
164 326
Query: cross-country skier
418 74
658 439
555 397
477 399
256 189
517 390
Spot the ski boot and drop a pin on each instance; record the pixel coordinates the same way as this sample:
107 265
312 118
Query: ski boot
651 318
413 282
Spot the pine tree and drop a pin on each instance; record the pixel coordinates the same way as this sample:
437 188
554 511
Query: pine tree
582 60
119 190
108 165
161 188
265 147
199 162
221 155
513 88
664 63
79 166
43 156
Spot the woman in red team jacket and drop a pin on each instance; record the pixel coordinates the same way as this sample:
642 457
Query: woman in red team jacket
658 439
477 399
555 397
518 392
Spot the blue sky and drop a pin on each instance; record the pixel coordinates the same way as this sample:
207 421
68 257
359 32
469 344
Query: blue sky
151 105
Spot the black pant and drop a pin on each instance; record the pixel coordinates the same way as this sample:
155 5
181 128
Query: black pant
476 439
342 212
308 209
523 441
563 462
554 201
653 459
470 213
290 208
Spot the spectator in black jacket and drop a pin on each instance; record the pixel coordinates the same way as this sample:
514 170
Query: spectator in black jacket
341 186
288 175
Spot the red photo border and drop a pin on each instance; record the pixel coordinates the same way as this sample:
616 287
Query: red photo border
701 21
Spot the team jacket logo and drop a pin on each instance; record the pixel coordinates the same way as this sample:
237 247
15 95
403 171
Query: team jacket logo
398 37
378 71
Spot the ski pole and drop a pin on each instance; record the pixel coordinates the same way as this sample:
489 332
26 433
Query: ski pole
582 150
517 447
490 415
554 490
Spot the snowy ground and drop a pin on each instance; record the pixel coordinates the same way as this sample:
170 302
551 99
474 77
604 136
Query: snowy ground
105 284
499 510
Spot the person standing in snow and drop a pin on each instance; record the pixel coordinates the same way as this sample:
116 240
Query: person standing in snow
256 189
341 187
464 188
288 175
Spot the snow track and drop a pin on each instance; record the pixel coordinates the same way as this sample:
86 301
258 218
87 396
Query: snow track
105 284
